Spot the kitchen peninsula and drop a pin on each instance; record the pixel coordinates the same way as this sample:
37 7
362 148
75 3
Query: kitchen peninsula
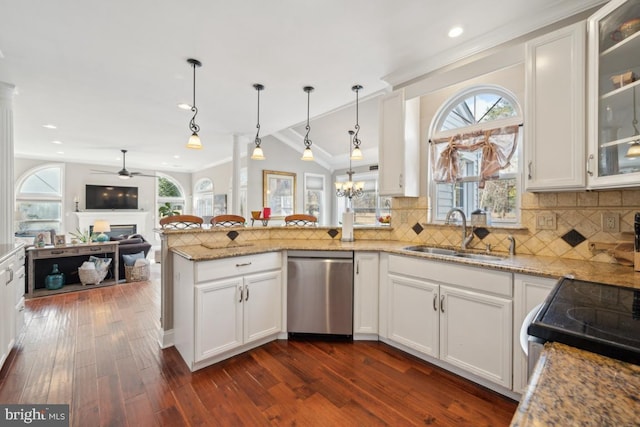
193 247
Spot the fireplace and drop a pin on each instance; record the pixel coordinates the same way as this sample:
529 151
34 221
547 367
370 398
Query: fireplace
119 230
115 219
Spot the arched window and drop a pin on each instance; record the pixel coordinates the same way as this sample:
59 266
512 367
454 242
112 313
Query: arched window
39 199
170 196
475 144
203 198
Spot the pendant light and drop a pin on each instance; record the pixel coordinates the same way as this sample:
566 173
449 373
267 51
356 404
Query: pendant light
356 154
257 151
307 155
194 139
634 148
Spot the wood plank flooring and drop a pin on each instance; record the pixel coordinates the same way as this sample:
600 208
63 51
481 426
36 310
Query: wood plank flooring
97 351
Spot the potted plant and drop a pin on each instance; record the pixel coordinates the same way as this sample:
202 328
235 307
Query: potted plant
82 236
167 210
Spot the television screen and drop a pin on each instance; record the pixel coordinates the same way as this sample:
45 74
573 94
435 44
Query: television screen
111 197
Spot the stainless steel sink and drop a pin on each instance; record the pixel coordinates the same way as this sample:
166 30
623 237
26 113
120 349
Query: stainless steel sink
479 257
432 250
452 253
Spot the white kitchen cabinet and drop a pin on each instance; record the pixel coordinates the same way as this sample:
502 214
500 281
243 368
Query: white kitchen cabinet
529 291
399 155
227 306
458 314
555 109
614 43
11 281
412 321
475 333
365 295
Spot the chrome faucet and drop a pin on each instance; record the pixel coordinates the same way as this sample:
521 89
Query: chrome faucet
512 244
465 239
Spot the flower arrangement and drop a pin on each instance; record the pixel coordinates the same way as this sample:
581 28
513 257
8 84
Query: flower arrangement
385 219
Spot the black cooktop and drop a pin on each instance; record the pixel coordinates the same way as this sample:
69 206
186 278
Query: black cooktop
592 316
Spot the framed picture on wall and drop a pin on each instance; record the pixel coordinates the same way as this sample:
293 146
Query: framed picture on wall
279 193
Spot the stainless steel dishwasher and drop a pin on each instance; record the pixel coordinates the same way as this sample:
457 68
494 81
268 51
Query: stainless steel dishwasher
320 293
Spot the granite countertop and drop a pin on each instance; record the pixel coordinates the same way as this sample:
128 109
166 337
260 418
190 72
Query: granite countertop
553 267
575 387
8 249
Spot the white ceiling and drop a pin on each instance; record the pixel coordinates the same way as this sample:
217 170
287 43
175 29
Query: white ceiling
109 74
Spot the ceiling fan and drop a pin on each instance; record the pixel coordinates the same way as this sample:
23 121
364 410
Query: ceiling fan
124 173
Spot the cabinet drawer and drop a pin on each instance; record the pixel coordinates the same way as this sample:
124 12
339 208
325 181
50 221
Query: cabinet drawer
235 266
481 279
71 251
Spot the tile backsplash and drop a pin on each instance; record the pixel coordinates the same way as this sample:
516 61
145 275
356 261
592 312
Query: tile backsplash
578 223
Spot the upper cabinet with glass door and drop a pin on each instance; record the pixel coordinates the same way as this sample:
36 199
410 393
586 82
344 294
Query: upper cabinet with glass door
614 77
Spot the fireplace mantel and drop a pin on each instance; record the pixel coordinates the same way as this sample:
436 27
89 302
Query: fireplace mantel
87 218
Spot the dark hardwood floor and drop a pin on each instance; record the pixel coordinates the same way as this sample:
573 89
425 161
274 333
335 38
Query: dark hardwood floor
97 351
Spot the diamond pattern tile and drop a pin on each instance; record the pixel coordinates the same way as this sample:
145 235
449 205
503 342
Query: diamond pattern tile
573 238
481 232
417 228
233 234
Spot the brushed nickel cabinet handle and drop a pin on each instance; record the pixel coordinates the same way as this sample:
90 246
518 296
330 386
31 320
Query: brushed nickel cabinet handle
589 171
435 302
240 288
358 267
529 175
243 264
442 303
57 252
247 297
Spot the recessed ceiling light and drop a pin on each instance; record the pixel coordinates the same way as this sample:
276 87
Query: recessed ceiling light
59 152
184 106
455 32
164 163
56 142
176 156
50 126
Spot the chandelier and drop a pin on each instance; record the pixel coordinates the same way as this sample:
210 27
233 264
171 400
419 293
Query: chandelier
349 188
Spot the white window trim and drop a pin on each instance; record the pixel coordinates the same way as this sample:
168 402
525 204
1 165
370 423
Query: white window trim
439 116
41 197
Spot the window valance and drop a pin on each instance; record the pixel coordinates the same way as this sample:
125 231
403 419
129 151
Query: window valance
497 147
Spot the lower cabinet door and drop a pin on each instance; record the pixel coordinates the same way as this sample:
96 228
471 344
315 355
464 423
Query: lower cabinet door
475 333
218 319
413 314
262 305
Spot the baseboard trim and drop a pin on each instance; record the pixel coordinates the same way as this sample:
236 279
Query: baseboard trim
165 338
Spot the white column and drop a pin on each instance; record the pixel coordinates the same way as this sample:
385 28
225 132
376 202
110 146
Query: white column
235 188
7 198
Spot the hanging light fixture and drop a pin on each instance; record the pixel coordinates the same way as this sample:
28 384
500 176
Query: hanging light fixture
356 154
307 155
258 154
349 188
634 148
194 139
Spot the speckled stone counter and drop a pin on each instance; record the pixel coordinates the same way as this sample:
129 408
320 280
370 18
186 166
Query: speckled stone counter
8 249
553 267
572 387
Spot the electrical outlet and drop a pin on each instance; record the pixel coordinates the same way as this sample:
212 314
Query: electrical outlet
546 221
610 222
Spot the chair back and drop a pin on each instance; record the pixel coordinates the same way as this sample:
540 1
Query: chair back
228 221
302 220
180 222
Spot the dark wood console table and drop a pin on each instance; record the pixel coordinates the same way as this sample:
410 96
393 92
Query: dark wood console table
40 260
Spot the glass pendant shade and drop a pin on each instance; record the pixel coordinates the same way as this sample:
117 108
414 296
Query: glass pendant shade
194 142
634 150
257 154
356 154
307 154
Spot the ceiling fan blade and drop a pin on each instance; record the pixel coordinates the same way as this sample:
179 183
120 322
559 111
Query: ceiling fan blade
99 171
142 174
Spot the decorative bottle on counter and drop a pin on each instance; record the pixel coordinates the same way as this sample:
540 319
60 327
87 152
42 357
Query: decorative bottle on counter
55 280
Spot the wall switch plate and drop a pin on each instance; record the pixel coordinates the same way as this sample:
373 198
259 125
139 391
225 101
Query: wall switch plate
546 221
610 222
